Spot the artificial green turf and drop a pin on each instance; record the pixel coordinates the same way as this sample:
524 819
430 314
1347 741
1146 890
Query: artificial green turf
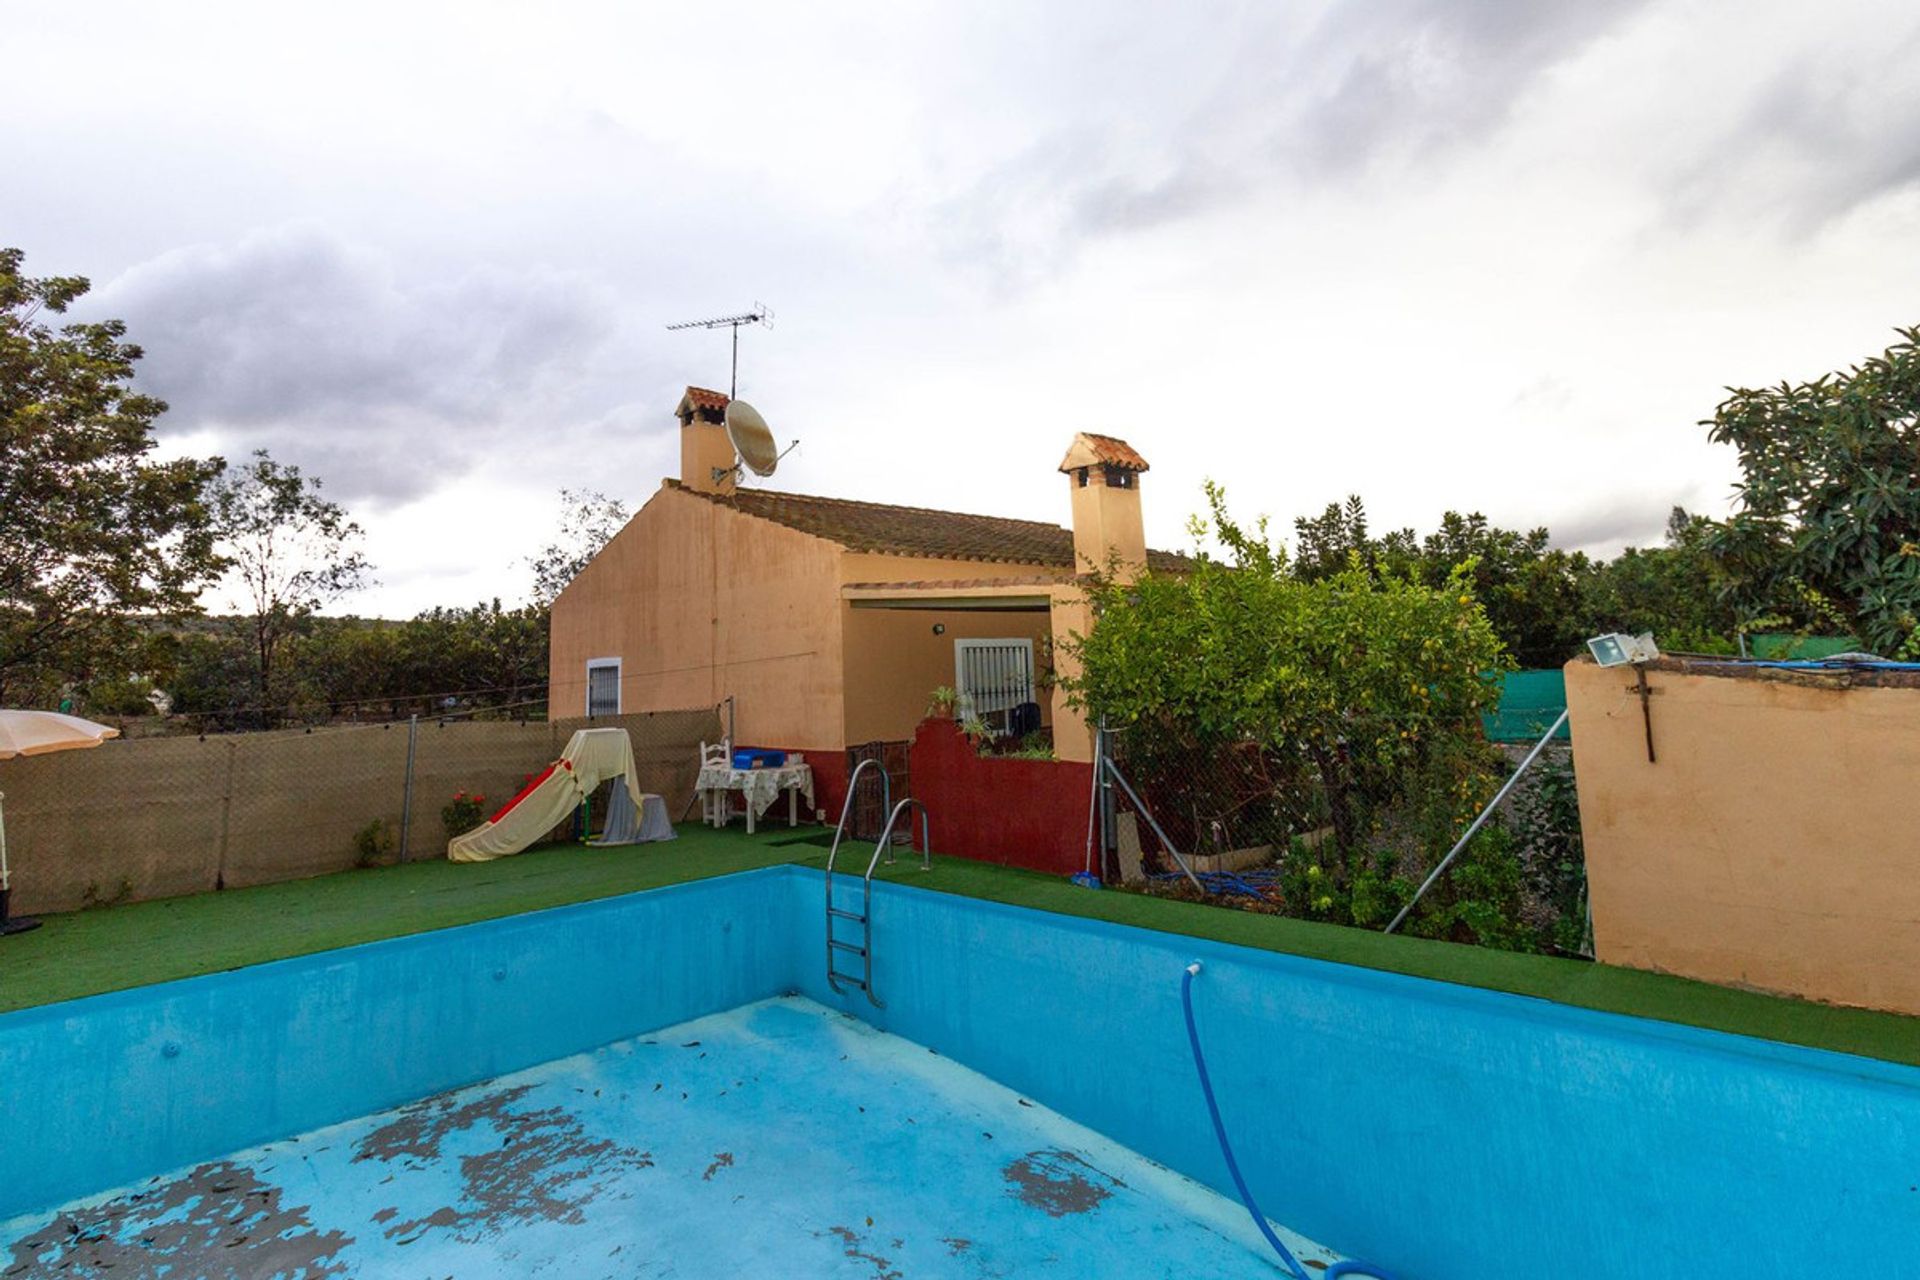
88 952
1872 1034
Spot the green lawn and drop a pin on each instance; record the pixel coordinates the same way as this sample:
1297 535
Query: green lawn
126 946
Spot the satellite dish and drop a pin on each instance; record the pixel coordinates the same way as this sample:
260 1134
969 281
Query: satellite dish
752 438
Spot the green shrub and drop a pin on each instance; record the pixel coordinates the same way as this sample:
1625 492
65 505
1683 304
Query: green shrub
373 844
1546 828
463 813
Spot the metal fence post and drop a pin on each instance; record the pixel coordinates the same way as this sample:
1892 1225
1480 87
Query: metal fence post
1485 813
1113 771
406 801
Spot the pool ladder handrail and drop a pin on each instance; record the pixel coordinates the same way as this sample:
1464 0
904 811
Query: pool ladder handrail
864 916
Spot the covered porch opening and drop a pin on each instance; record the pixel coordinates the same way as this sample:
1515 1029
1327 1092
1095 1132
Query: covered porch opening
990 642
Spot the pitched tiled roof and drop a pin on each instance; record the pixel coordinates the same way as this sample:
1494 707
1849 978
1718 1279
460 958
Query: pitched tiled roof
1089 448
954 584
701 398
917 531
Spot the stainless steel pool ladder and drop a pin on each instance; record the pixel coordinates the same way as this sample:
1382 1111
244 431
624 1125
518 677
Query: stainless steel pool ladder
864 916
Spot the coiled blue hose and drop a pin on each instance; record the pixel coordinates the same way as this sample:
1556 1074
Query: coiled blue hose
1351 1268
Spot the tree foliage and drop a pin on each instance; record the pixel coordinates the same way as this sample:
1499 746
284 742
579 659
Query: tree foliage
290 552
1530 589
1543 602
1676 591
1355 679
588 521
92 531
1828 527
484 659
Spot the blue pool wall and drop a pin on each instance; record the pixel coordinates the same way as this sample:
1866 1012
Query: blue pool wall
105 1091
1448 1132
1444 1131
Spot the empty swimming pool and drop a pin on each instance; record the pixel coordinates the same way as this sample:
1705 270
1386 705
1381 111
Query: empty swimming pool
778 1138
664 1084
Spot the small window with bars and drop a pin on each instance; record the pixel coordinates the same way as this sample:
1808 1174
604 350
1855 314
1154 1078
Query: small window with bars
991 679
603 687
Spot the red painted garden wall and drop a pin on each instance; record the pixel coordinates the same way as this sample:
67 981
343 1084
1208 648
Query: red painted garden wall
1025 813
829 768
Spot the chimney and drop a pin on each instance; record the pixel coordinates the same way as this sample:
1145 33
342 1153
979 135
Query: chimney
1105 475
704 447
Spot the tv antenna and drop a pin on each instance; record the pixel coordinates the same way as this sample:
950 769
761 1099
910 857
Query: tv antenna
761 314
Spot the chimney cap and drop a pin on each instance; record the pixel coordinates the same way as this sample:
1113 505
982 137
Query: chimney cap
1090 450
706 404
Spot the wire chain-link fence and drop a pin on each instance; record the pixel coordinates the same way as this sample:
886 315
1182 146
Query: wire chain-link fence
1215 799
1256 825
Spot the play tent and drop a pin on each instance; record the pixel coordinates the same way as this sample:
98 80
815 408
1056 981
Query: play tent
592 757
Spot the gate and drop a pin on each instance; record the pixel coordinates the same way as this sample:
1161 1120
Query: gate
869 813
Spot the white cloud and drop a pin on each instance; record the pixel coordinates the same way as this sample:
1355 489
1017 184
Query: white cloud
1481 254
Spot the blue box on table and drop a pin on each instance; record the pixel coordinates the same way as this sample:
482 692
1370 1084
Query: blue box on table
758 758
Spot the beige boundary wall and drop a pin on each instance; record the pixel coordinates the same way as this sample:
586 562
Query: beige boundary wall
1774 843
159 817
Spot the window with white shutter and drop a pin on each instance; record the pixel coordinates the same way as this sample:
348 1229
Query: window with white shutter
603 687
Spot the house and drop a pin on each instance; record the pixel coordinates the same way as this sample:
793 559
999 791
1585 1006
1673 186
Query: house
829 622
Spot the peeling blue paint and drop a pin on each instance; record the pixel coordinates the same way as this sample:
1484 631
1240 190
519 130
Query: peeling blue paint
848 1153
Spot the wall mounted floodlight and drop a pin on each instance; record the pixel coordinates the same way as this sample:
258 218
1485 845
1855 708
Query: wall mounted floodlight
1616 650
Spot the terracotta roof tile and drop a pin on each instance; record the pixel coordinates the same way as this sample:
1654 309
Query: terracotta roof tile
1089 448
1116 452
701 398
917 531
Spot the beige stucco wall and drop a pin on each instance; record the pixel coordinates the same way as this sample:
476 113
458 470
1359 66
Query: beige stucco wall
698 603
1775 843
1071 616
1107 525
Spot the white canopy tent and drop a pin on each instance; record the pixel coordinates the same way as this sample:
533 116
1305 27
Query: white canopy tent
34 733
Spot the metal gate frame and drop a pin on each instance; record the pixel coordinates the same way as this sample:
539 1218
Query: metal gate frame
869 809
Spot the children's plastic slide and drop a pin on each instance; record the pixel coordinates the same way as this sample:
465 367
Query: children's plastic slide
592 756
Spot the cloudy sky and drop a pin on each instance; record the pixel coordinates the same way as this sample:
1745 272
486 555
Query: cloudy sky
1498 255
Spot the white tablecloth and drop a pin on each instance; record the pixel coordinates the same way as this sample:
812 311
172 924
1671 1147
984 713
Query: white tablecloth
760 786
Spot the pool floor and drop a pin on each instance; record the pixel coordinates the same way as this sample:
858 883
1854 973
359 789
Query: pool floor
780 1139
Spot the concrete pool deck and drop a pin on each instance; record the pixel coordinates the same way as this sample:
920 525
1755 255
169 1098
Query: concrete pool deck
107 949
777 1139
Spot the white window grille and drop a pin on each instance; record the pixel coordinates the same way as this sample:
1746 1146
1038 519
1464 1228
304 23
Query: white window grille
603 687
991 678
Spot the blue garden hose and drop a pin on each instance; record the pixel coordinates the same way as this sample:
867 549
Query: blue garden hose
1292 1263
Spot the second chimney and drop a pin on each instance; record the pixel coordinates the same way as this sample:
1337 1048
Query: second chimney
1107 527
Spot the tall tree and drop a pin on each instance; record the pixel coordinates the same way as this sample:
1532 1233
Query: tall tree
588 521
1828 527
1530 589
92 532
291 553
1674 591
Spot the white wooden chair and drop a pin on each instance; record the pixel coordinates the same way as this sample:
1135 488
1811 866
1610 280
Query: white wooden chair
716 806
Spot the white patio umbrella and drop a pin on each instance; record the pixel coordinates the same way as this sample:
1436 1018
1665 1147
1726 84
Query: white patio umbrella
34 733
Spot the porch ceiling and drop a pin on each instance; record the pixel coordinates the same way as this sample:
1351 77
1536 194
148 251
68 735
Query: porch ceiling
1030 595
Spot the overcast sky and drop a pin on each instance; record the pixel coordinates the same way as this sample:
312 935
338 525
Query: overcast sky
1494 255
